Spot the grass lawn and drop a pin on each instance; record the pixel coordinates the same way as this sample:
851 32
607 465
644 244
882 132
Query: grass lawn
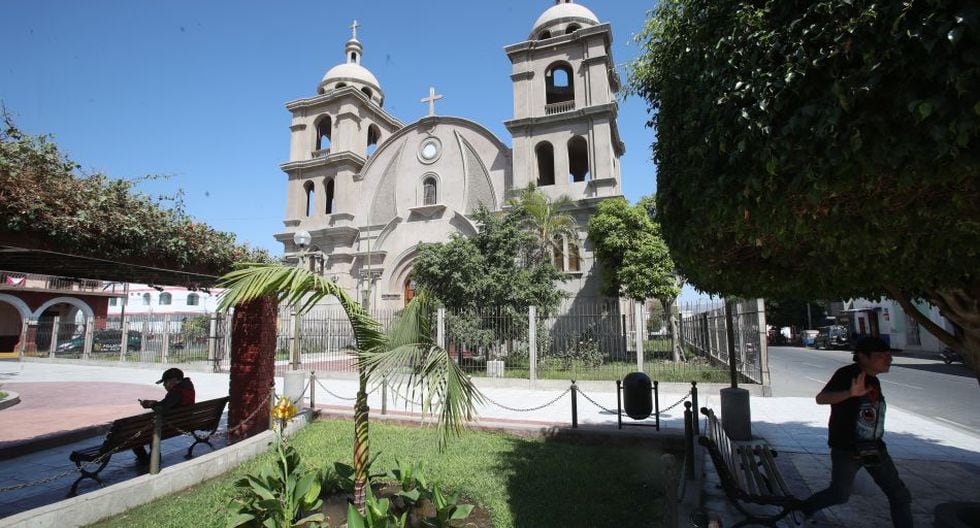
523 482
3 395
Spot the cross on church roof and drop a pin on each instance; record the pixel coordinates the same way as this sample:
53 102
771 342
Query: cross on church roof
431 99
353 29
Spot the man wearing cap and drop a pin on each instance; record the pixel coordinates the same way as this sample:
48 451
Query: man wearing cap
180 392
857 424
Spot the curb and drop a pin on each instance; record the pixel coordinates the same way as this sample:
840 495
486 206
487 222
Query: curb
17 448
12 399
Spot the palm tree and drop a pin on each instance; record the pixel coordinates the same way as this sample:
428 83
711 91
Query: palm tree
406 355
545 219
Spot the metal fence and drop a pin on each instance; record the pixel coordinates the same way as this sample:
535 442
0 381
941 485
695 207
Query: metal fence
705 333
599 341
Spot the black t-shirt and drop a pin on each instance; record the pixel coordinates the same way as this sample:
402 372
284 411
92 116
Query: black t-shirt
859 419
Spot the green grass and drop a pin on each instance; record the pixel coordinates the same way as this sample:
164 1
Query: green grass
3 395
523 482
663 371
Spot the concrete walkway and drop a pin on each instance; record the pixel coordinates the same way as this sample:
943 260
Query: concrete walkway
939 463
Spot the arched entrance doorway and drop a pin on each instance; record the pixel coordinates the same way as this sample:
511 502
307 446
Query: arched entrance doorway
13 312
409 293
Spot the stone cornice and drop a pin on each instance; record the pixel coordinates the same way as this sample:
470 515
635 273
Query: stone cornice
604 30
342 93
340 158
515 125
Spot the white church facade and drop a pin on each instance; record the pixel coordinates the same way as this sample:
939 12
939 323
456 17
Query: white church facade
369 189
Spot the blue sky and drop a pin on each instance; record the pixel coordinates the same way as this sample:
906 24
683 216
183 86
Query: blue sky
196 90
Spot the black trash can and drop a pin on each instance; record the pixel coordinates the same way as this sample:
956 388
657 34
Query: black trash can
637 395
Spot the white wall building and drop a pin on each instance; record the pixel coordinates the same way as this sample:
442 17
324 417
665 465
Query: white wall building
886 318
143 299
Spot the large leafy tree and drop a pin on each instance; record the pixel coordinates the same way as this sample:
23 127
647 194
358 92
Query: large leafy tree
490 268
635 260
821 149
405 356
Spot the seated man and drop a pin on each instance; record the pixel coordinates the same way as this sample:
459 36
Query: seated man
180 392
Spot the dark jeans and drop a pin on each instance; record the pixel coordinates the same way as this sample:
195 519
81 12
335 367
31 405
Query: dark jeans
845 466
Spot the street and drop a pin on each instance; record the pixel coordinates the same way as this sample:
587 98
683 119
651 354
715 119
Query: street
928 387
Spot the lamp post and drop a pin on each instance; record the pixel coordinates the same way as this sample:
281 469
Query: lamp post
302 240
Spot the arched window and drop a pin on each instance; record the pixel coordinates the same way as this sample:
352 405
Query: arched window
367 91
409 290
559 85
578 159
340 85
323 129
429 191
165 299
193 299
373 137
572 28
146 299
329 195
545 35
545 154
558 253
310 197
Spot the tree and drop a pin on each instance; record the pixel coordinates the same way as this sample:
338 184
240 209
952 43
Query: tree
547 220
406 356
792 312
635 260
468 273
821 150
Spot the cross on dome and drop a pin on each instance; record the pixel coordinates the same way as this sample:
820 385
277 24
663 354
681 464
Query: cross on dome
431 99
353 29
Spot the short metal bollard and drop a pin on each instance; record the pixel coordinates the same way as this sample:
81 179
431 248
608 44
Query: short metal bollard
694 405
312 389
574 405
688 441
384 396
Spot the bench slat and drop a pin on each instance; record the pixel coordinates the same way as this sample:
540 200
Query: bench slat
769 462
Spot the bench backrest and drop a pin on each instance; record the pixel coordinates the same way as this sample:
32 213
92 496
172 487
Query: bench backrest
725 455
132 431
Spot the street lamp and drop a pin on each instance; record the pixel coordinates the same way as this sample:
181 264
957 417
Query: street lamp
302 240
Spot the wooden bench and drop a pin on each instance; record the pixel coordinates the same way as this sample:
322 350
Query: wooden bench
748 474
136 431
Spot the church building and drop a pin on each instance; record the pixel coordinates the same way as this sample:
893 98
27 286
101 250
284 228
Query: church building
365 189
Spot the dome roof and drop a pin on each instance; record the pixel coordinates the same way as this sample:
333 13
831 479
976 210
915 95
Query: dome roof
564 12
350 72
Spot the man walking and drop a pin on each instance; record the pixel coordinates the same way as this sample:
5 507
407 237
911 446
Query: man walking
857 423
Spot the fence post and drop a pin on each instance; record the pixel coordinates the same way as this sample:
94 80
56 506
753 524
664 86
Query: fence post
694 403
574 405
53 342
143 338
294 351
441 328
532 343
212 337
24 329
638 333
89 337
124 331
384 396
688 441
764 349
312 389
165 350
656 401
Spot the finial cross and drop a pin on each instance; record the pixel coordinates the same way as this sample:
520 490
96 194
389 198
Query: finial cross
353 29
431 99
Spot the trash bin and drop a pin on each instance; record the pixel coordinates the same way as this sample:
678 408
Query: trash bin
637 395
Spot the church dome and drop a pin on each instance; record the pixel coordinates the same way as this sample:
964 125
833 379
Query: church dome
351 73
560 17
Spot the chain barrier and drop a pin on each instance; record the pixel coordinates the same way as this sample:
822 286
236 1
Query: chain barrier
330 392
405 398
675 404
593 402
529 409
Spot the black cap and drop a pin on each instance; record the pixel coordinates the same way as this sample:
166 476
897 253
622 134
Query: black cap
171 373
866 345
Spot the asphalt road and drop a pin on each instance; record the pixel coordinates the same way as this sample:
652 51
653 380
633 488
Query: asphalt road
925 386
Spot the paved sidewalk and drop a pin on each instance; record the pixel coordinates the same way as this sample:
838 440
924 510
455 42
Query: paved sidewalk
938 462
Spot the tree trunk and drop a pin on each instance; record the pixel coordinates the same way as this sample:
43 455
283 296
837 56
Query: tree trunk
253 366
676 354
960 307
361 445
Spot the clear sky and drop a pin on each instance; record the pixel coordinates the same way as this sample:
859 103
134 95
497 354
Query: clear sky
196 90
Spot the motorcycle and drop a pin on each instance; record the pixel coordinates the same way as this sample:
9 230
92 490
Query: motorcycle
949 356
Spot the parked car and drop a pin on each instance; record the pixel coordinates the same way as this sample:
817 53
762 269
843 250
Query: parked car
809 337
835 336
949 356
106 341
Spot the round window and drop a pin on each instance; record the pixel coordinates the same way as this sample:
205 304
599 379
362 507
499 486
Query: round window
430 150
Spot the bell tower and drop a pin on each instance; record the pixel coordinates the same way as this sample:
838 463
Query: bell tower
564 131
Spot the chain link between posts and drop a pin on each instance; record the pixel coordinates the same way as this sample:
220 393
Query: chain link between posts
529 409
660 411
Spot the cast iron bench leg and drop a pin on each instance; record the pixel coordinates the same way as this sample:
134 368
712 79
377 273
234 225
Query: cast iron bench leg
94 475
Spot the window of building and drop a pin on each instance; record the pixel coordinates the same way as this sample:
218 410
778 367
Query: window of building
373 137
578 159
545 35
323 130
165 299
574 258
558 254
146 299
572 28
193 299
559 86
329 195
367 91
113 301
409 290
545 154
340 85
310 197
429 191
